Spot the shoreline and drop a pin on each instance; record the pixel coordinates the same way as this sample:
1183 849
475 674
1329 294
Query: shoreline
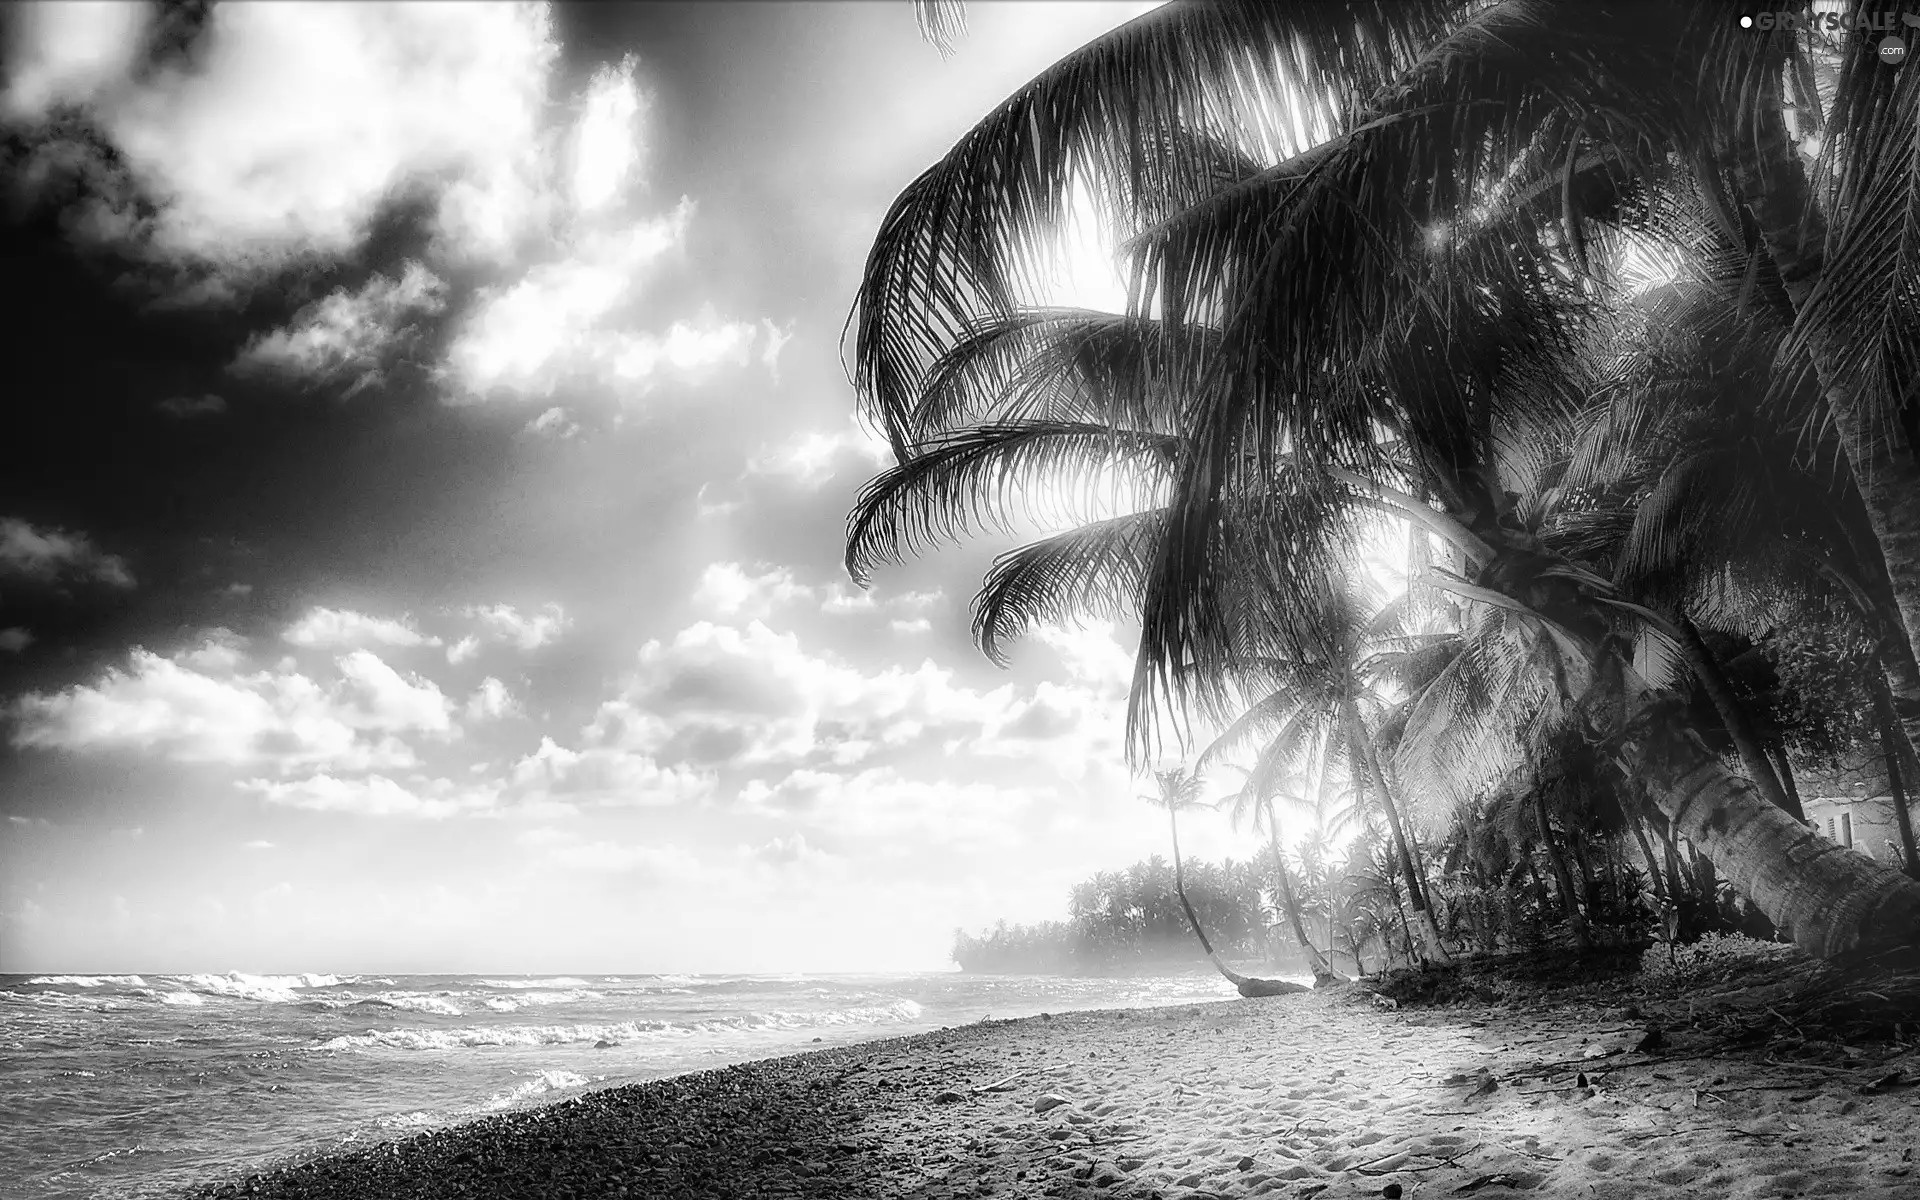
1330 1094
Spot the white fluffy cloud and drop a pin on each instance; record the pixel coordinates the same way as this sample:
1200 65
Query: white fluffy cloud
505 623
720 695
602 775
491 701
294 124
810 459
50 556
321 626
346 336
726 589
197 706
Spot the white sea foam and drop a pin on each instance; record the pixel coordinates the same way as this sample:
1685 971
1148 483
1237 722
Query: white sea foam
564 981
238 985
539 1085
187 999
622 1031
89 981
415 1002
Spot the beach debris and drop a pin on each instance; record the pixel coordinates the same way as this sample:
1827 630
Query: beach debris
1652 1043
1597 1050
949 1096
1886 1083
1385 1002
1049 1102
1486 1087
604 1044
1498 1179
1392 1191
998 1085
1245 1163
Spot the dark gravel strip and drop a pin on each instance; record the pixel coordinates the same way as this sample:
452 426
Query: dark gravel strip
783 1127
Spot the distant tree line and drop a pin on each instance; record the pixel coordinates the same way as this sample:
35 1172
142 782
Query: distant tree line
1127 921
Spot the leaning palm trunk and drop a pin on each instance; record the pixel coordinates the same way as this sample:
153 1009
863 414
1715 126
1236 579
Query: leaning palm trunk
1248 987
1323 972
1367 764
1733 715
1838 904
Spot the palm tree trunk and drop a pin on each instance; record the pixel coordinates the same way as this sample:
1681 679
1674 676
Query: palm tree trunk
1733 715
1323 972
1838 904
1783 767
1367 761
1655 877
1245 986
1890 749
1576 923
1882 459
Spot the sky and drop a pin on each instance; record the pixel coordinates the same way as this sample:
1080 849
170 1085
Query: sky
420 525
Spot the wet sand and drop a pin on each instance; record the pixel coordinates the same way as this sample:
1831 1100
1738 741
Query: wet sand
1325 1095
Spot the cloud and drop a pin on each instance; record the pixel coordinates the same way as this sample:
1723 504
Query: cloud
522 340
257 844
198 706
916 625
882 805
491 701
15 639
69 53
186 408
463 650
607 141
291 127
607 776
553 423
50 556
810 459
725 589
370 796
720 695
505 623
344 627
345 336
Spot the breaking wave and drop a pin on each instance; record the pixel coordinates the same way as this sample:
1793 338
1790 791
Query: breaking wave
540 1085
564 981
622 1031
89 981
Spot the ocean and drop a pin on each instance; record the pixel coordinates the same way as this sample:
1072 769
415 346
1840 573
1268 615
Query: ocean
138 1086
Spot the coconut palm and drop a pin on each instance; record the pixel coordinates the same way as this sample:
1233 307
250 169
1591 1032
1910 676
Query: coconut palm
1254 803
1440 192
1177 789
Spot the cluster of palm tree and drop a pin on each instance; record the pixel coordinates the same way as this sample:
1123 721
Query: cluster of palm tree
1612 310
1130 920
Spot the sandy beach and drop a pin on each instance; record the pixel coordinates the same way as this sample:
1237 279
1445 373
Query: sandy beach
1332 1094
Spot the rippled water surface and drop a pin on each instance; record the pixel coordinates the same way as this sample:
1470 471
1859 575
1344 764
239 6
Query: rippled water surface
143 1086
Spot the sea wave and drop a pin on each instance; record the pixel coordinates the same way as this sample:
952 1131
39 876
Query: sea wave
89 981
237 985
187 999
440 1005
539 1085
564 981
621 1031
527 999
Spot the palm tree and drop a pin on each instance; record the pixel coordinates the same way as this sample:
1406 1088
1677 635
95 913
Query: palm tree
1176 790
1255 800
1436 195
